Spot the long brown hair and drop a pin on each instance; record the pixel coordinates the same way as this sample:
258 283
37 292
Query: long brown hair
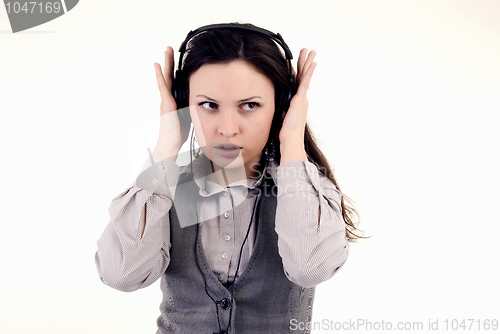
228 44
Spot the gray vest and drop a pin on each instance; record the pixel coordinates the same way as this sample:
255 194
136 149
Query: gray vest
195 302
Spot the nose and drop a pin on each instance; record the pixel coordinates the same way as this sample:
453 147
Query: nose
228 124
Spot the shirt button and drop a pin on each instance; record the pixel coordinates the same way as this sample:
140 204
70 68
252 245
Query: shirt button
225 304
224 255
228 237
220 277
154 181
160 167
225 192
226 214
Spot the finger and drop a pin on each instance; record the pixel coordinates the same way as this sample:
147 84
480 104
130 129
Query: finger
169 67
308 61
300 62
306 65
306 79
162 87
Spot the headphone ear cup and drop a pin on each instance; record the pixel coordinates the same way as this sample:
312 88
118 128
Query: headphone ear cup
179 95
286 97
184 95
175 89
283 104
179 91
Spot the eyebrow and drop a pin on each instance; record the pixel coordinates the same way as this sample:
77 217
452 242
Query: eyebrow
243 100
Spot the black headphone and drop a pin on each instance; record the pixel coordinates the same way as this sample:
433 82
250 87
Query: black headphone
179 90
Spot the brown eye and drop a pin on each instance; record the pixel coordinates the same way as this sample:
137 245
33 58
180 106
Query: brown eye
208 105
251 105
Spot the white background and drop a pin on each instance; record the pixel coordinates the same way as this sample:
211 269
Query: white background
405 101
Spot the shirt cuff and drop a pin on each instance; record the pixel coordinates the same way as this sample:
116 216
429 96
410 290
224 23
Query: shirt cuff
159 176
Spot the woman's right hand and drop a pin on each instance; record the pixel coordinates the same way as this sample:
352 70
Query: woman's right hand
174 124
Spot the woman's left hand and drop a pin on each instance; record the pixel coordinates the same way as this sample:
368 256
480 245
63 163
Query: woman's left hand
292 132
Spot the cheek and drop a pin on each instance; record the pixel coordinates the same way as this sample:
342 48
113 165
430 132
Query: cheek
262 128
267 122
198 128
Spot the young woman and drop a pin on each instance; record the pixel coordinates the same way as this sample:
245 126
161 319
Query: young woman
242 235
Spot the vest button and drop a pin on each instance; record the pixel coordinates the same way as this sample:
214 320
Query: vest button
225 303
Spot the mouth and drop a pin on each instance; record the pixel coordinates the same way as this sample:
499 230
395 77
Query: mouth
228 147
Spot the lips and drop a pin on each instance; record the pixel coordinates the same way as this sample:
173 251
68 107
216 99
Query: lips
228 150
228 146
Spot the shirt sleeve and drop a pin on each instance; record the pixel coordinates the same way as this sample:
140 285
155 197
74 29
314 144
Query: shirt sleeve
312 247
127 257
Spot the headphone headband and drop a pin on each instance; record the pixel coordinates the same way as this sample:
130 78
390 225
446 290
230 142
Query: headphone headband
276 37
242 26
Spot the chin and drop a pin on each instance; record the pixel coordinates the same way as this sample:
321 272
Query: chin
235 163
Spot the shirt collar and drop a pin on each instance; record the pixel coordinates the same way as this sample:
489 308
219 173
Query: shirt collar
202 169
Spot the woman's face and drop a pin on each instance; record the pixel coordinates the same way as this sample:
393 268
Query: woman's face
232 108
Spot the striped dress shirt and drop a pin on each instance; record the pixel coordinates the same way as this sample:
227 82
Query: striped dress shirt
312 248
